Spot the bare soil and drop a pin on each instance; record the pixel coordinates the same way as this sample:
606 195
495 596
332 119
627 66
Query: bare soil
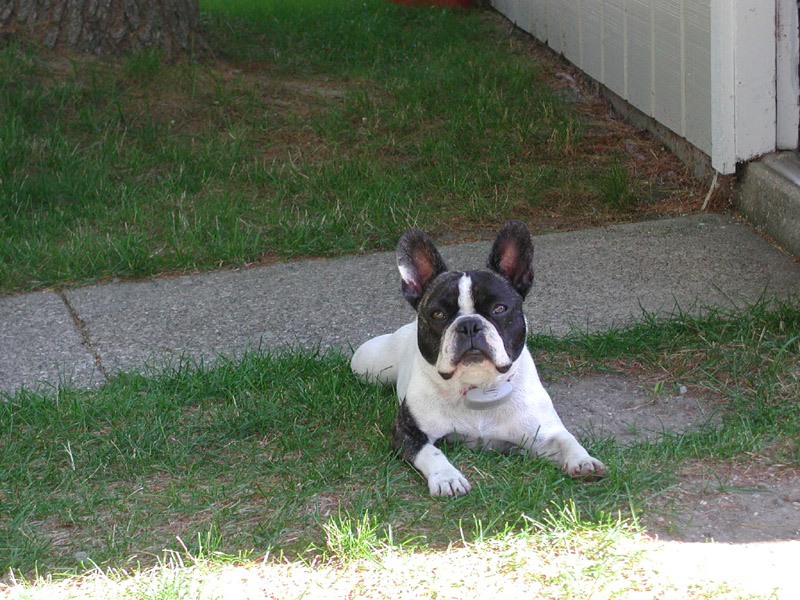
757 500
737 525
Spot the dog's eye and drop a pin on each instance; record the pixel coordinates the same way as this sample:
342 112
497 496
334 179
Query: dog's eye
438 315
499 309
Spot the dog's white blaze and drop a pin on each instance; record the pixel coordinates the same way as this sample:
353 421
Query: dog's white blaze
466 305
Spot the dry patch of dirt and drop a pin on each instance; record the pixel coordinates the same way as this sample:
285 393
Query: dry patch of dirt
737 525
751 502
757 500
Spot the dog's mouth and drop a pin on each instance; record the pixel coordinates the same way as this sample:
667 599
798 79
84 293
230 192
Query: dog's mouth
473 357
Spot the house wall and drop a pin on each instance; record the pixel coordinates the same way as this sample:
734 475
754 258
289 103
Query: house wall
703 69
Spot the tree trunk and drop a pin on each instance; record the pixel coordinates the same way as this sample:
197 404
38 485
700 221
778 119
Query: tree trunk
106 27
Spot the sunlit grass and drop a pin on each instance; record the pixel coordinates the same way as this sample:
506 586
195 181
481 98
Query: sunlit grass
558 557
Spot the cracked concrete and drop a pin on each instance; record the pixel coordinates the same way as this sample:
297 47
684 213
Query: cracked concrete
41 347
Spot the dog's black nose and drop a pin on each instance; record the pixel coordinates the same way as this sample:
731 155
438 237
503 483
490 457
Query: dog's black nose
470 327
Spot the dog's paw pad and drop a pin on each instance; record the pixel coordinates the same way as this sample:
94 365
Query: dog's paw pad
589 469
449 483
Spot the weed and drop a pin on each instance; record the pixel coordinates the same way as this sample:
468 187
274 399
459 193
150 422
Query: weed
349 538
614 187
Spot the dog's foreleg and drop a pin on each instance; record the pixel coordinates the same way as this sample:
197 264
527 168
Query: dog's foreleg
417 448
565 451
443 478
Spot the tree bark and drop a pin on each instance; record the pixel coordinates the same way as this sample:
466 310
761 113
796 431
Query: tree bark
106 27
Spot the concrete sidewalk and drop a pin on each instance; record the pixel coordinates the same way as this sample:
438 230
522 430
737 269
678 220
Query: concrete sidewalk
589 279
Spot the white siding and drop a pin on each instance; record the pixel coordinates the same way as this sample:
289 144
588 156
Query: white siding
668 66
614 72
591 30
705 69
697 72
639 51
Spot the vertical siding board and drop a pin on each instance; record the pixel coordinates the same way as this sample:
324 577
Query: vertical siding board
723 140
525 16
788 84
614 47
511 10
555 35
592 36
570 26
697 73
667 64
528 16
539 18
639 57
503 6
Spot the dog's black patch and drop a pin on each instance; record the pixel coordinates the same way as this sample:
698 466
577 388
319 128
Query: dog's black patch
442 297
489 290
407 437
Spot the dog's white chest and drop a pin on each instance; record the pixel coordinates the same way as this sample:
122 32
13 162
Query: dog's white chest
486 429
482 442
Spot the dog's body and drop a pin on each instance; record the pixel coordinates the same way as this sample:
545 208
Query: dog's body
462 368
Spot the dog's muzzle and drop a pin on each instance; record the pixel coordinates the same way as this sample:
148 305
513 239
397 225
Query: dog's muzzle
472 341
470 344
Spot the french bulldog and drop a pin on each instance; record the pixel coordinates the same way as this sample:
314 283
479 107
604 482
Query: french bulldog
462 368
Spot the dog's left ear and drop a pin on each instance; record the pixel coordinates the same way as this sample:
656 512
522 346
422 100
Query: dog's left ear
512 256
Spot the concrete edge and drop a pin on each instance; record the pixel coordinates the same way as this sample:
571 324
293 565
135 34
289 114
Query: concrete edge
769 197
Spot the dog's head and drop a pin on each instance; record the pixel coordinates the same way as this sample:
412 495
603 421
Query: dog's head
470 324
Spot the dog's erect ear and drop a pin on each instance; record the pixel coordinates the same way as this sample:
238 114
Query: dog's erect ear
512 256
419 262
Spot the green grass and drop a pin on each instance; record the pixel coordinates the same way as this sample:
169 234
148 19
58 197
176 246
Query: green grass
262 459
288 454
319 127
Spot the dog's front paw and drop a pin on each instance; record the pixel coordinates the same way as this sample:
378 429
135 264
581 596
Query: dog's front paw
448 482
586 467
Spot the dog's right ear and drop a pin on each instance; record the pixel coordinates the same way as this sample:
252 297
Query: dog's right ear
419 262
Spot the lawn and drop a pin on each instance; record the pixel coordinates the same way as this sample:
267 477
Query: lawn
315 128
